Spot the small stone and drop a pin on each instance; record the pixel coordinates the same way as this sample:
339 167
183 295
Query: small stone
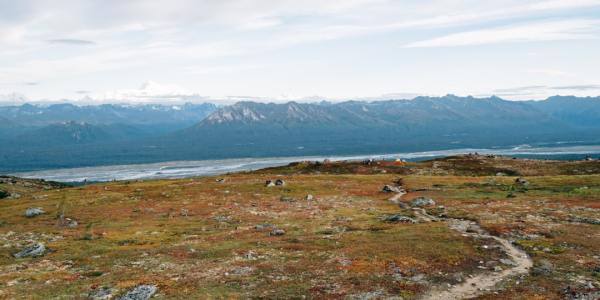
277 232
33 211
507 262
309 197
35 250
140 292
542 268
422 201
391 189
71 223
399 219
498 269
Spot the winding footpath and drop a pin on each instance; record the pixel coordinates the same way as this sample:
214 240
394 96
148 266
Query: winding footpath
481 283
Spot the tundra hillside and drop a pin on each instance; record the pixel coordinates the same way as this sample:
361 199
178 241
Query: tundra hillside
466 226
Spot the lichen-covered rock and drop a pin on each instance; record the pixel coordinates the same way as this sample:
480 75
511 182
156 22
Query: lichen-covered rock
422 201
399 219
33 211
35 250
140 292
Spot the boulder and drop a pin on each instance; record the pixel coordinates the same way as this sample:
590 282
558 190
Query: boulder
140 292
309 197
33 211
4 194
269 183
399 219
422 201
279 182
35 250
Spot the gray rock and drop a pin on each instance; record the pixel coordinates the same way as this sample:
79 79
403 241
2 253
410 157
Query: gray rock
35 250
457 278
140 292
71 223
102 293
4 194
542 268
309 197
474 228
277 232
269 183
422 201
577 219
391 189
33 211
399 219
507 262
279 182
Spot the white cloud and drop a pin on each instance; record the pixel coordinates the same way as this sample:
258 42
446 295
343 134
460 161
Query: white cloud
149 91
94 39
531 32
551 72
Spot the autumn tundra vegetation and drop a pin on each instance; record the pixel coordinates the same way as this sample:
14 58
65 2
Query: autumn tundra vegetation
468 226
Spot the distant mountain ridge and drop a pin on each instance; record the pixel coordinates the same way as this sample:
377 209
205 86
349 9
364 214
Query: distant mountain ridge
38 115
39 125
253 129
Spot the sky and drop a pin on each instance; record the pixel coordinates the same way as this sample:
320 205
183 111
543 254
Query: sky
277 50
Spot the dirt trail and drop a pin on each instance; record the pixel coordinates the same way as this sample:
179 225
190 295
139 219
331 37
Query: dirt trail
481 283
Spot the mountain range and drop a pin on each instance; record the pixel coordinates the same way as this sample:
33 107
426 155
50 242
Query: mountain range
95 123
66 135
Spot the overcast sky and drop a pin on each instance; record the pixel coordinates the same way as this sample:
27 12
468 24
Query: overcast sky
115 50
